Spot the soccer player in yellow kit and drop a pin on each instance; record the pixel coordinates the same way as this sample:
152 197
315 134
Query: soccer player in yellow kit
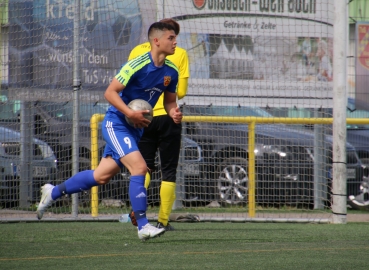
164 135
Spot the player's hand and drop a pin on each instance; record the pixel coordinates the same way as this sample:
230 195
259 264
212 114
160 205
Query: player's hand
138 118
176 115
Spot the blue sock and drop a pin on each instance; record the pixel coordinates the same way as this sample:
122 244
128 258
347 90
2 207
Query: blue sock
138 198
79 182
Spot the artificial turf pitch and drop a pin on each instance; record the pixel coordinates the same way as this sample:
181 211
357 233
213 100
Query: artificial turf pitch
203 245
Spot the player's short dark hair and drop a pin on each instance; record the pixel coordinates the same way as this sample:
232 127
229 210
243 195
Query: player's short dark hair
159 26
173 23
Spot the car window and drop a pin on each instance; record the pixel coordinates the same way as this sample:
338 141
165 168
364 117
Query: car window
226 111
301 113
64 111
357 114
9 109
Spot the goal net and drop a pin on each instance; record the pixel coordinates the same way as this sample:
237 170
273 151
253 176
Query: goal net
249 60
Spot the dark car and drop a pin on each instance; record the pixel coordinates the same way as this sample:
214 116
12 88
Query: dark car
53 123
356 134
43 166
360 200
284 158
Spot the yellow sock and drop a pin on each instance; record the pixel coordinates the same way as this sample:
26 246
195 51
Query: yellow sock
147 180
167 198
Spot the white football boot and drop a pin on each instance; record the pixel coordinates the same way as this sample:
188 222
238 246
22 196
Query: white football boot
149 231
46 199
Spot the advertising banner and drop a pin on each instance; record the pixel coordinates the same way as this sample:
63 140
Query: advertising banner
265 52
241 52
41 36
362 65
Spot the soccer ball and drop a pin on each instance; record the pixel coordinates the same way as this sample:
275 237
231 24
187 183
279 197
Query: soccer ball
138 105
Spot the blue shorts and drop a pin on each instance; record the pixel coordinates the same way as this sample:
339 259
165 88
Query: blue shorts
121 138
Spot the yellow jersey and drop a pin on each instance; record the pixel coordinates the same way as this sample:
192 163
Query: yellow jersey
180 59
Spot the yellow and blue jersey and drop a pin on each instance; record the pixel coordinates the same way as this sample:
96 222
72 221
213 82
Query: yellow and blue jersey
143 80
180 59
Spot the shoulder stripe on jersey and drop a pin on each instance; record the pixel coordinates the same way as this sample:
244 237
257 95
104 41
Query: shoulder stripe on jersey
170 63
131 67
139 61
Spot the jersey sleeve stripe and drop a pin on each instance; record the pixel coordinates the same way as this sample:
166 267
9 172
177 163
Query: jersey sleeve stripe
170 63
120 79
139 61
131 67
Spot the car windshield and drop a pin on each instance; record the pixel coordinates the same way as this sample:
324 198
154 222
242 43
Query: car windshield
64 111
354 112
351 112
226 111
8 109
357 114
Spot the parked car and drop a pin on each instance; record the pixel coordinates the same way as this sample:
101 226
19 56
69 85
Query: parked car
53 124
284 158
357 134
43 167
360 201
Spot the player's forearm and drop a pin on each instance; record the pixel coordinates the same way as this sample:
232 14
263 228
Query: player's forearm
170 108
182 88
174 112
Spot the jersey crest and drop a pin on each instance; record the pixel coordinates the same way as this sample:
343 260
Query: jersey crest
167 80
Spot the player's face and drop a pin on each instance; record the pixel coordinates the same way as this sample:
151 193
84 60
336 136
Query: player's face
168 42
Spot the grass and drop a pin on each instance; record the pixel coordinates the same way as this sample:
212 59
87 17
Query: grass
113 245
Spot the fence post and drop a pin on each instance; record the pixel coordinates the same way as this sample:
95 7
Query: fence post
340 36
94 124
180 189
76 88
26 181
319 164
251 184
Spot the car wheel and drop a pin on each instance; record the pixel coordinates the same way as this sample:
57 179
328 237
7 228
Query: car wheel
232 180
365 161
361 201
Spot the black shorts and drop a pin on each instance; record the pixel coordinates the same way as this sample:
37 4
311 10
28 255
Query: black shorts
164 135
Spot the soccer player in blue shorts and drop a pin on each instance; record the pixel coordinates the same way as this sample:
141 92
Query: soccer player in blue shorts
144 77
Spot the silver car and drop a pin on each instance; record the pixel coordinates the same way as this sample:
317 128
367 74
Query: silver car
43 167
